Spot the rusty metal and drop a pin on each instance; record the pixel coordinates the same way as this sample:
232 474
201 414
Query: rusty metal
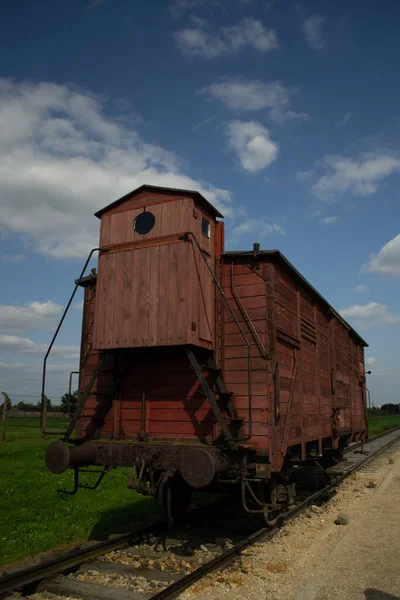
42 427
199 466
59 456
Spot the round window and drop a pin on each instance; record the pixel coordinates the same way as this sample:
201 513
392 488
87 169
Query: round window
144 223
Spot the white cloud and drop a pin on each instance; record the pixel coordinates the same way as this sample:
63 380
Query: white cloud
251 95
370 315
329 220
252 144
205 41
78 306
61 159
360 289
360 177
371 360
343 121
387 261
312 30
259 227
304 175
20 345
35 315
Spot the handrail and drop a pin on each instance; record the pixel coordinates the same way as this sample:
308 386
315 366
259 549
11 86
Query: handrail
250 405
249 321
70 380
42 425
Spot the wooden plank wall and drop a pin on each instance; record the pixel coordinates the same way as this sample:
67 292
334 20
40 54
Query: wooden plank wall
251 289
175 408
328 366
154 289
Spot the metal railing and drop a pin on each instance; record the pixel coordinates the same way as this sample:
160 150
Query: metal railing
43 394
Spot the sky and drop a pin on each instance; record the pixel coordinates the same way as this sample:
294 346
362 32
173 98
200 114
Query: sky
284 115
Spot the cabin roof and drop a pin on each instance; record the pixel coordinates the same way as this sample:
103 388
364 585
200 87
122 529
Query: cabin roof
162 190
280 258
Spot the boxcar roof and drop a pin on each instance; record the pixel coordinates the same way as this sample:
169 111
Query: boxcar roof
279 257
162 190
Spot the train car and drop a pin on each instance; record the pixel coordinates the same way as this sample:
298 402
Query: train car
202 368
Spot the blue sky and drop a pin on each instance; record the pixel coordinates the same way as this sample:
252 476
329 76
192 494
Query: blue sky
285 115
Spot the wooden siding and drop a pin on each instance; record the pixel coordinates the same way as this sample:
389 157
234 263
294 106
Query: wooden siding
327 392
303 340
251 289
154 289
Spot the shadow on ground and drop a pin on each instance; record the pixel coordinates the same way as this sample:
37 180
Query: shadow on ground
123 519
372 594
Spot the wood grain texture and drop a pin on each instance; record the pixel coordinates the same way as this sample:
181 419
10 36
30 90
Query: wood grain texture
155 289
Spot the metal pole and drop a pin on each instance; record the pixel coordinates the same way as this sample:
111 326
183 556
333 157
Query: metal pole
70 388
369 398
4 418
42 427
45 409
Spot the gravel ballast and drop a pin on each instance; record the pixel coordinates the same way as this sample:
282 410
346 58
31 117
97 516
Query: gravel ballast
312 558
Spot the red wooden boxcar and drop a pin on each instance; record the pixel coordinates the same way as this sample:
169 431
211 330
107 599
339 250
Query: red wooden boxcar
200 366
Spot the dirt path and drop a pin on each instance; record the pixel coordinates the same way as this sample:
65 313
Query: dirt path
314 559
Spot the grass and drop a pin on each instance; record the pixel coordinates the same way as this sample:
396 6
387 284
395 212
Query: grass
380 424
35 518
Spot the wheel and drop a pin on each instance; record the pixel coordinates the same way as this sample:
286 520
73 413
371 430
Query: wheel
174 497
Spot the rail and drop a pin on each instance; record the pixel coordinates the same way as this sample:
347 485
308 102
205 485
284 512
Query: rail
43 395
217 283
73 559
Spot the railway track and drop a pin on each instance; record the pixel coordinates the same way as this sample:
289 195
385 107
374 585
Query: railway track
159 563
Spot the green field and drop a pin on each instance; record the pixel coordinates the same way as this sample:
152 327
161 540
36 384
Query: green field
35 518
380 424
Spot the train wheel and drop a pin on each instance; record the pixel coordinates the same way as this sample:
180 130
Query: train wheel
174 497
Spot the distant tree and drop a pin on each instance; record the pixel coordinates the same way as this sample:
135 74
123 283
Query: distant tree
49 406
391 409
21 405
69 402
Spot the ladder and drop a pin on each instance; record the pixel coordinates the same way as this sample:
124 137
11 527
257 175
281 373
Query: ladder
220 400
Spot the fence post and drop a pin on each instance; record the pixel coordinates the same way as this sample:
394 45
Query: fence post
4 417
45 407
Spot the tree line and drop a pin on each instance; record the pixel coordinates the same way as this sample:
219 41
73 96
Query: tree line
68 404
